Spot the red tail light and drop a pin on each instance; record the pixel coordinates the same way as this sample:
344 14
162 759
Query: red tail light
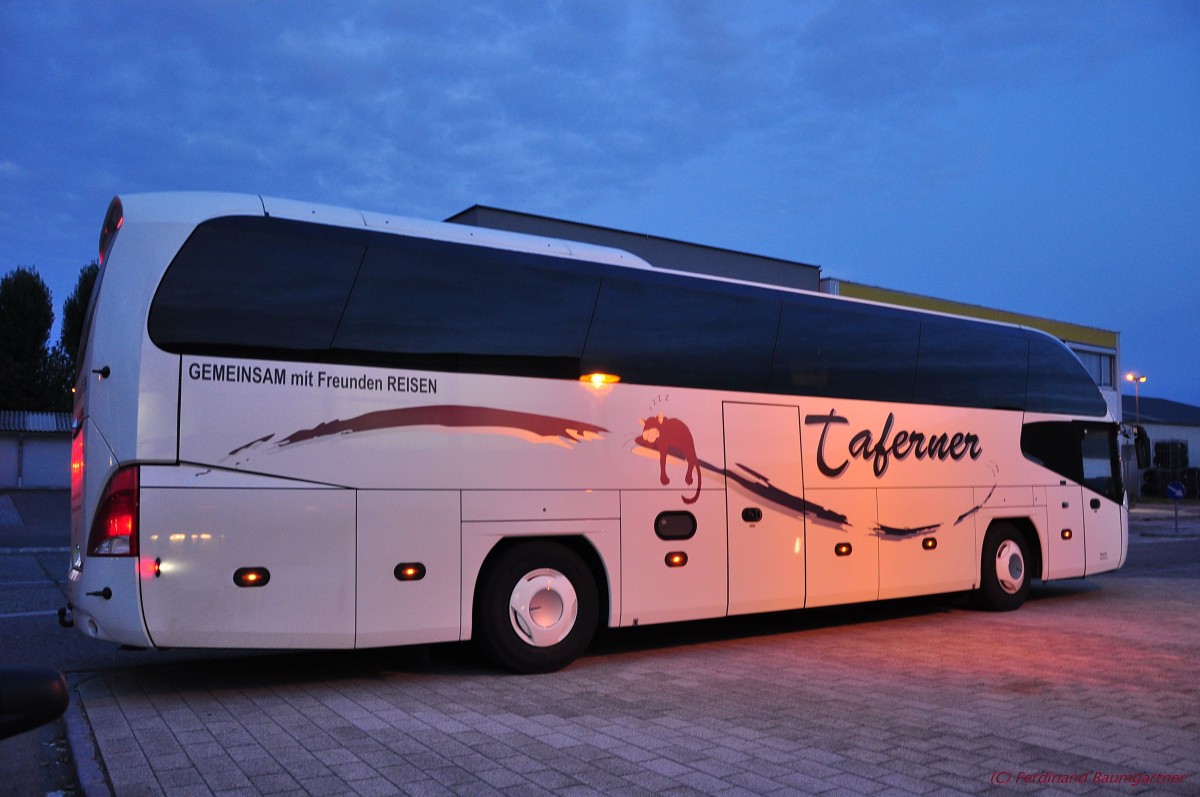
77 448
115 527
112 223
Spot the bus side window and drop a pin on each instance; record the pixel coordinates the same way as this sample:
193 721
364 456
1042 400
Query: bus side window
1054 445
656 330
1058 382
1101 466
972 365
843 352
446 300
1079 451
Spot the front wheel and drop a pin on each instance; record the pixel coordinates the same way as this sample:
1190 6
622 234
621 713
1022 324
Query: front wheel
1004 576
536 608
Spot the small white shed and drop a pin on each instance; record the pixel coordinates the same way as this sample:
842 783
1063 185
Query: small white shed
35 450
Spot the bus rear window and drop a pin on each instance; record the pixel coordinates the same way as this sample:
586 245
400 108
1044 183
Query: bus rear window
246 282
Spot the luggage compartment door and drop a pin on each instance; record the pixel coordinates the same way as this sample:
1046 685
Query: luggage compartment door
765 488
194 541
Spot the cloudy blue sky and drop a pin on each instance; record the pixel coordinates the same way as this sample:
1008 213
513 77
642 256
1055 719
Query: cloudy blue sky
1042 157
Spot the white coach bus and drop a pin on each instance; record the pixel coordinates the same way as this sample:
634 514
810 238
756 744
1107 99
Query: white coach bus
306 427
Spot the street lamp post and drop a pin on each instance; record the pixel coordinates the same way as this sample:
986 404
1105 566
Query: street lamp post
1137 380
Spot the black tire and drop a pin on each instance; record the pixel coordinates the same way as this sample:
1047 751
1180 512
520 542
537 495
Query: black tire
1004 569
536 608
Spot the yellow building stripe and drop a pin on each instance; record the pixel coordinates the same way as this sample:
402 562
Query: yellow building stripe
1072 333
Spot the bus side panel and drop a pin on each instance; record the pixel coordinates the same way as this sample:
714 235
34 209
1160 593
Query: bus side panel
652 590
117 618
408 528
926 549
194 540
158 405
134 402
837 575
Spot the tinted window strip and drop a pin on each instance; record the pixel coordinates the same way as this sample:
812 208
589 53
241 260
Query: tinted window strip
859 351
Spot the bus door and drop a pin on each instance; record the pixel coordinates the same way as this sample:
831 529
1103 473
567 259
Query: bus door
765 489
1106 538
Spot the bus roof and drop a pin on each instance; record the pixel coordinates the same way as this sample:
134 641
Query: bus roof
196 207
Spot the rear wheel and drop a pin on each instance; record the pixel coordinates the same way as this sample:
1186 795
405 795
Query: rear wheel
536 609
1004 576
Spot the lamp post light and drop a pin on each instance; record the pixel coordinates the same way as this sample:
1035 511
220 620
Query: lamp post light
1137 380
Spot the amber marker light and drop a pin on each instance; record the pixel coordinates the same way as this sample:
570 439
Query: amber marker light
1067 534
842 549
929 543
676 559
409 571
251 576
600 380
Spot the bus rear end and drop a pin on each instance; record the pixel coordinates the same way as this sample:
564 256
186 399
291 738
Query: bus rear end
126 410
102 584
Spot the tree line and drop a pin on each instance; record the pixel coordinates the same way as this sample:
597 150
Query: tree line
35 375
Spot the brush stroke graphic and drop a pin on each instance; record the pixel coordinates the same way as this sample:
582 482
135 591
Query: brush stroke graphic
975 508
251 444
762 487
561 431
894 532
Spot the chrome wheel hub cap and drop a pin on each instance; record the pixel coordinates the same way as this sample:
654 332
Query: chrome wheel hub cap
1010 567
543 607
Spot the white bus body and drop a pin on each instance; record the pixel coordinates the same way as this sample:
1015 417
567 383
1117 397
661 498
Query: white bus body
257 494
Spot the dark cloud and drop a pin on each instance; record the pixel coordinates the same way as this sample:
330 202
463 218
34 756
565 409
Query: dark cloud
862 132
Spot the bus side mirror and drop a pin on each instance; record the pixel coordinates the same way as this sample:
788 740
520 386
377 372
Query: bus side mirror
1141 445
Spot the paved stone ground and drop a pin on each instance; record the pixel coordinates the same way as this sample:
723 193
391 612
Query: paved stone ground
909 697
921 697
